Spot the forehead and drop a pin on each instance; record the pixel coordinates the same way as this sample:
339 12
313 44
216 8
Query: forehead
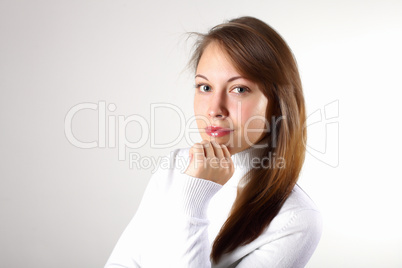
214 58
216 65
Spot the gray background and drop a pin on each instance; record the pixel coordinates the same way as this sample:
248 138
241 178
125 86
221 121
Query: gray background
64 206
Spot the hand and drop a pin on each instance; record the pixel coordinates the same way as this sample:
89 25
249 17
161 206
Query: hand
210 161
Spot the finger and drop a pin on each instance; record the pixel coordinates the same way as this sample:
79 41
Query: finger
225 151
227 161
217 150
208 149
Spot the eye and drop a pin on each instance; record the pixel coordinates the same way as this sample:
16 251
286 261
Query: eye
204 88
240 90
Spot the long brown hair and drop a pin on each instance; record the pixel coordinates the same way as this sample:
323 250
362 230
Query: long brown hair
261 55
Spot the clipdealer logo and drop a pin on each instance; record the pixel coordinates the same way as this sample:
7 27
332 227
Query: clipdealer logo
324 123
118 124
111 132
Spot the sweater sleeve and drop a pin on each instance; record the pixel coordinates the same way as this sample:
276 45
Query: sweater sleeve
292 246
170 226
188 223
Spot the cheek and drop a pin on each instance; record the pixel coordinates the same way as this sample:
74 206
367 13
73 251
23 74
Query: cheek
253 115
200 105
200 112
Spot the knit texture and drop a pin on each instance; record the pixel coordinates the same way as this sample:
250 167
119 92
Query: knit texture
180 216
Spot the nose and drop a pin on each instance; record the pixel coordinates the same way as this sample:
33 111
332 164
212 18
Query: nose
217 107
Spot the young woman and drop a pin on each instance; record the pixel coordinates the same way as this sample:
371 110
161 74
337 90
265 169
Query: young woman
237 204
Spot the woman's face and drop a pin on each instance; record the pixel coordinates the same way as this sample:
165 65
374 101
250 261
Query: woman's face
230 109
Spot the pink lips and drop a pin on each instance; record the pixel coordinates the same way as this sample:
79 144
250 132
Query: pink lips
215 131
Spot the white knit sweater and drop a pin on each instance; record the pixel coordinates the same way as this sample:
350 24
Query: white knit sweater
180 216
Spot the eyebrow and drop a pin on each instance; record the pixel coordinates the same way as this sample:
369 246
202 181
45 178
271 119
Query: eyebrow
230 79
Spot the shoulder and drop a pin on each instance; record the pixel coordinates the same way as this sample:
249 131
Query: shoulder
175 159
292 236
179 159
170 165
298 201
299 214
179 152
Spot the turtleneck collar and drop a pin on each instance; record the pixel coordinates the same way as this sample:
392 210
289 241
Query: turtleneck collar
243 158
246 160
